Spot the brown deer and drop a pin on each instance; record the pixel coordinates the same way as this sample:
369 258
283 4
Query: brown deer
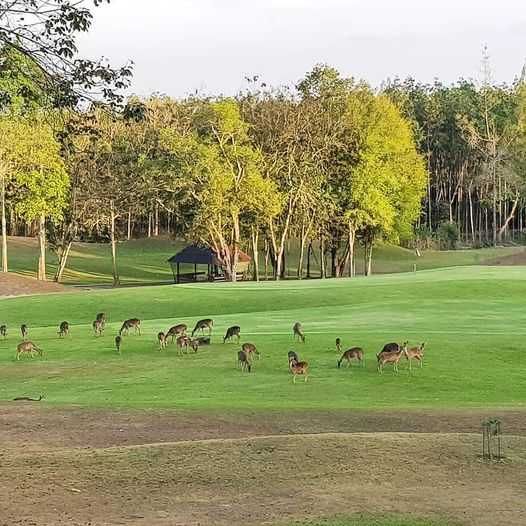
183 341
298 368
97 328
63 330
390 357
415 352
132 323
194 344
3 331
231 332
177 330
24 330
201 325
355 352
28 347
250 349
338 343
297 332
118 343
27 399
162 340
202 341
101 318
293 357
391 347
243 361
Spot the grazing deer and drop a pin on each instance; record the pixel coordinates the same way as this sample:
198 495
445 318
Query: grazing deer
243 361
355 352
338 343
231 332
24 330
390 357
183 341
201 325
162 340
27 399
98 328
293 357
415 352
28 347
118 343
3 331
298 368
297 332
132 323
63 330
202 341
194 344
391 347
101 318
250 349
177 330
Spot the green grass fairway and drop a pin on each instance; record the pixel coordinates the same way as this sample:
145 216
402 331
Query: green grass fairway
474 319
144 260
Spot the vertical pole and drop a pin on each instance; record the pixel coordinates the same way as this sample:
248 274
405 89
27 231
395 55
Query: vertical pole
178 276
4 228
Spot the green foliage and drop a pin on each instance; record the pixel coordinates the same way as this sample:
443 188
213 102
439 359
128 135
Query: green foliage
448 235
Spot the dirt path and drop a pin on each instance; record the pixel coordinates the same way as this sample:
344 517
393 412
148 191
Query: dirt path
47 426
12 285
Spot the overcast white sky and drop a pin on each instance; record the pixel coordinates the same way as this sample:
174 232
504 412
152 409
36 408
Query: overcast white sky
179 46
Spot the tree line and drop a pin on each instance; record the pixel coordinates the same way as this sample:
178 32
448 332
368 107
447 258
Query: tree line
330 161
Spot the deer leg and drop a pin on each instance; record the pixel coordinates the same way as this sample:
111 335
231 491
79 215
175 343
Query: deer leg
293 378
305 377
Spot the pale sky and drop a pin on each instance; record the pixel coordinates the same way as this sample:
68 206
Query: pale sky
179 46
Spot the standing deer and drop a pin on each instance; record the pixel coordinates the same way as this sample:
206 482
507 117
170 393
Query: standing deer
118 343
415 352
242 360
293 357
162 340
63 330
101 318
338 343
201 325
28 347
355 352
298 368
132 323
97 328
177 330
297 332
391 347
231 332
3 331
24 330
390 357
250 349
183 341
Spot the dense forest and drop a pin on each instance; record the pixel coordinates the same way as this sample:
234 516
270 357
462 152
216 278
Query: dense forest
330 161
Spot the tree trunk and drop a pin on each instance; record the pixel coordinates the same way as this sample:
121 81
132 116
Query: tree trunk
303 239
116 279
62 262
322 257
267 249
255 253
352 240
4 229
129 229
156 223
511 215
309 253
42 245
368 252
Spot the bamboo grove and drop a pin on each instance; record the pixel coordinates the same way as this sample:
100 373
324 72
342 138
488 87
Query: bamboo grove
330 162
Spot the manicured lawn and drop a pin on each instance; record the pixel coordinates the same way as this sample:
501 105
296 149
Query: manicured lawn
472 317
145 260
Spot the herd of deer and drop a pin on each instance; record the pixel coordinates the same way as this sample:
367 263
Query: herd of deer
390 354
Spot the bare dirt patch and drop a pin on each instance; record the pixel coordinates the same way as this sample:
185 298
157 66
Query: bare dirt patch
14 285
106 467
513 260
